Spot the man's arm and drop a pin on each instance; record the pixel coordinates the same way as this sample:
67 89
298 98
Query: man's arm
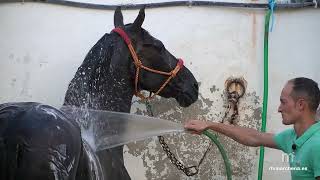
245 136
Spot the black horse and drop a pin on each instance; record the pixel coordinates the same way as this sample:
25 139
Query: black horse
107 80
37 142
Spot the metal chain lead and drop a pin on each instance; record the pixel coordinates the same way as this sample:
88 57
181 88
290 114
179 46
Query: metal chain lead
233 100
189 171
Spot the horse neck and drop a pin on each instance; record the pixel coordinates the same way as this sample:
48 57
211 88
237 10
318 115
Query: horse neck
103 81
118 92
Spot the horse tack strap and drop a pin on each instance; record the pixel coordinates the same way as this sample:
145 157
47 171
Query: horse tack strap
139 65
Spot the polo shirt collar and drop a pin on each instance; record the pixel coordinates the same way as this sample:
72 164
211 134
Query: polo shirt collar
307 134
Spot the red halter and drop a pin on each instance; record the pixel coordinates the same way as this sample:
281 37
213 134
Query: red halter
139 65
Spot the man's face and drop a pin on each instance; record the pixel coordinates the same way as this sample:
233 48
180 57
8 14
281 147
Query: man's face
288 107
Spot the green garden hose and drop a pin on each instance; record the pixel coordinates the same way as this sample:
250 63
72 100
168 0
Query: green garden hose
265 90
222 151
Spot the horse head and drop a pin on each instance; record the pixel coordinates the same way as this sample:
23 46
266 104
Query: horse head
152 54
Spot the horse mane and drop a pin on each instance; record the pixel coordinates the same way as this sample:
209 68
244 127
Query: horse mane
99 54
86 78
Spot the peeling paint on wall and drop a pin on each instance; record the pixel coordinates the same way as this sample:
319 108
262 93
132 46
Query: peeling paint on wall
231 43
190 148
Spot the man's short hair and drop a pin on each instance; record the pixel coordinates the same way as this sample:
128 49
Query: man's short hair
307 89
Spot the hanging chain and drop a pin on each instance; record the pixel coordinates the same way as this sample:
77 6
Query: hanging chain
233 99
189 171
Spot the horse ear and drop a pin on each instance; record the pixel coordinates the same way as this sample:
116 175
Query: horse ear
118 18
139 20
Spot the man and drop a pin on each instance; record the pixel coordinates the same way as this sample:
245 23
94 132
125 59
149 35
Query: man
299 101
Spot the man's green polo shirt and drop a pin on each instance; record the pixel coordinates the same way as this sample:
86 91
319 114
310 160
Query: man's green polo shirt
304 158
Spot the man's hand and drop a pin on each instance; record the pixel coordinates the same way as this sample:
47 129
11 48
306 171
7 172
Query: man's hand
196 126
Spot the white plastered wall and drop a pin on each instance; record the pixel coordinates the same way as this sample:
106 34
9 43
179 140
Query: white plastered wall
42 45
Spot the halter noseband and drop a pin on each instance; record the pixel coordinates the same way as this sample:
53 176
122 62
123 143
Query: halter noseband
139 66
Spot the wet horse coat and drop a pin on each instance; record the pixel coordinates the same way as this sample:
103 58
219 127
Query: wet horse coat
51 141
37 142
105 80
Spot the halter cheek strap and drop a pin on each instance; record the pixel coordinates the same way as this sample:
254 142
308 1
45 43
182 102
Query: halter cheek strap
139 66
